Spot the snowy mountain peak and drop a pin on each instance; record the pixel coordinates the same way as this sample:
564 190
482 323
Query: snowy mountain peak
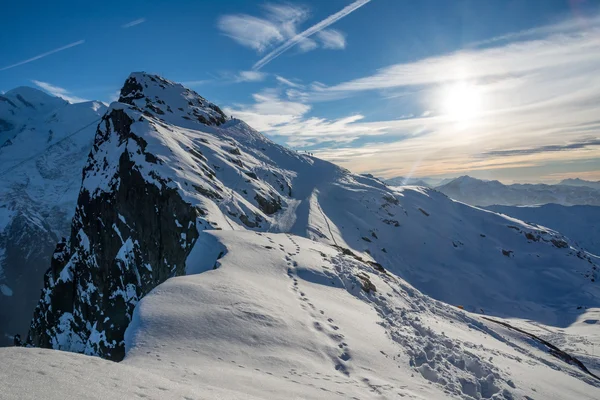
168 100
24 97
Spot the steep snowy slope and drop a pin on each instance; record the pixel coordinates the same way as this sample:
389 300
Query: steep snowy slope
44 142
579 223
167 166
263 315
484 193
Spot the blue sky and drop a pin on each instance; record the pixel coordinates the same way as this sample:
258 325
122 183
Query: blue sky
498 89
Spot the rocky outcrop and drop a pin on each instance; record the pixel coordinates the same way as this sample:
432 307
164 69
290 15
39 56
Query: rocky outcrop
153 179
124 242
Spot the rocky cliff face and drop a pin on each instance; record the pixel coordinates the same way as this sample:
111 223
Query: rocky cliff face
147 189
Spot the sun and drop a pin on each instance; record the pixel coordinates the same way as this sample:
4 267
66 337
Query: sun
461 102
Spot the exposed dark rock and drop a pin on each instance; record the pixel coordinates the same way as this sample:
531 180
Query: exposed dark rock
7 100
365 283
25 102
391 222
132 90
561 244
270 206
124 242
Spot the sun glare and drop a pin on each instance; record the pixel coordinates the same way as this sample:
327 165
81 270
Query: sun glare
462 102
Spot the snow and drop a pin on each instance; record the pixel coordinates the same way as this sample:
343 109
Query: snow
44 143
285 317
5 290
485 193
579 223
351 289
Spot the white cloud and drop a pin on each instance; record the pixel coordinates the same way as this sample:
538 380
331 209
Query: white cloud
332 39
287 82
273 115
133 23
43 55
306 45
539 98
250 76
279 26
309 32
249 31
555 53
58 92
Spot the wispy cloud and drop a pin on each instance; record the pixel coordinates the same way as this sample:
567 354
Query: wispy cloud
250 76
332 39
540 103
255 33
309 32
43 55
133 23
287 82
581 144
59 92
279 26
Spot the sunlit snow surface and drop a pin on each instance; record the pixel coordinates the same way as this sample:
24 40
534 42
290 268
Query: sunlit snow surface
301 309
285 317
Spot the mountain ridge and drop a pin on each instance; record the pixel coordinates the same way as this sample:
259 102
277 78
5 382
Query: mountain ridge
486 193
201 242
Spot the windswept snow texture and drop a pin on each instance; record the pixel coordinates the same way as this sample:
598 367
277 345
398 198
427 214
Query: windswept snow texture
318 284
44 142
579 223
485 193
278 316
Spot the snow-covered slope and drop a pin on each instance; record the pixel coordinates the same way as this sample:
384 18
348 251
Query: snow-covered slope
579 223
162 178
44 142
484 193
263 316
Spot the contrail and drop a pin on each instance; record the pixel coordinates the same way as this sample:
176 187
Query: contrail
310 31
133 23
43 55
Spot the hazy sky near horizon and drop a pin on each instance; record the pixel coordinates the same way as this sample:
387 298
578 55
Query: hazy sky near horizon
497 89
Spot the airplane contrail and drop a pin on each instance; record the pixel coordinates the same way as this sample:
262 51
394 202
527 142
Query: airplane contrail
310 31
43 55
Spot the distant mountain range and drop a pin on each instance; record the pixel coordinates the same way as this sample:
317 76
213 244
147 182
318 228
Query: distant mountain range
580 182
44 144
485 193
424 181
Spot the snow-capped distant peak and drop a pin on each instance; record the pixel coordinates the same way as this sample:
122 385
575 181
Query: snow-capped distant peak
168 100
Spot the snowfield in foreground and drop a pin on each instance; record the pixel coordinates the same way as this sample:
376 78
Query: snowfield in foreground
268 316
